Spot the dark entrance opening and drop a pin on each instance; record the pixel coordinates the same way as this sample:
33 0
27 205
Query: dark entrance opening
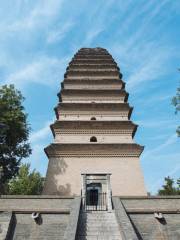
93 197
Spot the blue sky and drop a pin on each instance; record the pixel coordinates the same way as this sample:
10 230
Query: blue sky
39 38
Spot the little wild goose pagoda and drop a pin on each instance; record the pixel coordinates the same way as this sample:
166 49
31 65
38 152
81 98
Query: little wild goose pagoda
94 150
94 187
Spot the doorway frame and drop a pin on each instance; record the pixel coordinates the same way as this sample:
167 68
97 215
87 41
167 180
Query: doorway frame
108 193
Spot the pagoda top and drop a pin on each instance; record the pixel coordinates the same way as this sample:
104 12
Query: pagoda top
96 49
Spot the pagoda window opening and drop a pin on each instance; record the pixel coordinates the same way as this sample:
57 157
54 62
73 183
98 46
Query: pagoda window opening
93 139
93 118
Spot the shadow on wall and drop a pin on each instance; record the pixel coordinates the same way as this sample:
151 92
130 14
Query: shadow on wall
57 169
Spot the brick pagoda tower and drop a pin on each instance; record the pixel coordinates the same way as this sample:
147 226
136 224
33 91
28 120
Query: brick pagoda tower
93 149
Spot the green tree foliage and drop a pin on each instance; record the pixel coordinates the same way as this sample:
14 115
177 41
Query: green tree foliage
169 188
176 103
14 132
26 182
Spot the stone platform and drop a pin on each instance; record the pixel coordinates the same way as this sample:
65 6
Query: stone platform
62 218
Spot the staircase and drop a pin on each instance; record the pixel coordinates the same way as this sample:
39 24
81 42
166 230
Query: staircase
98 225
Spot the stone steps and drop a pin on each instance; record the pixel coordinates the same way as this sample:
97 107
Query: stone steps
98 225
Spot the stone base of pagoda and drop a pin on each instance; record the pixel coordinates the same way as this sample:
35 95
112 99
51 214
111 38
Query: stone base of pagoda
66 166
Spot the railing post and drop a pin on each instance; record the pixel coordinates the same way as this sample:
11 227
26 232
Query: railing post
109 201
84 191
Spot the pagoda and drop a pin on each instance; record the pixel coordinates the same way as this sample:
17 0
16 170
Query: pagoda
94 149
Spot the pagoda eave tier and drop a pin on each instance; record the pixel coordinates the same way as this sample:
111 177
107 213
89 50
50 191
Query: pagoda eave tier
92 56
93 84
97 74
94 150
93 50
79 66
93 108
94 94
97 126
82 71
91 61
101 55
108 81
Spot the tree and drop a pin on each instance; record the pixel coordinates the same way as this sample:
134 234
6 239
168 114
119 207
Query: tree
14 132
26 182
176 103
169 188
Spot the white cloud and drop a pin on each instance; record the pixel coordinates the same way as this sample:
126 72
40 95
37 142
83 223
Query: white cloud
45 70
172 171
41 13
92 34
157 123
39 140
157 137
168 142
138 9
59 33
40 134
138 51
38 159
147 72
155 99
97 22
143 61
